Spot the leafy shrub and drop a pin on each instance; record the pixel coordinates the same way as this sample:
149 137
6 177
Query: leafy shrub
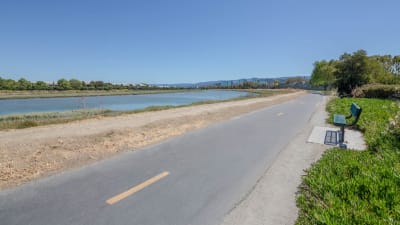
374 118
357 187
348 187
394 125
377 91
37 119
26 124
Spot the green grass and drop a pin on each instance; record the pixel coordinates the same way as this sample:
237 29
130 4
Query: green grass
39 119
353 187
373 121
267 92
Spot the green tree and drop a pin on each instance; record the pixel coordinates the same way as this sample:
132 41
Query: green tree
276 84
323 74
2 82
9 84
396 68
41 85
351 71
99 85
386 61
76 84
91 85
108 86
63 84
24 84
379 69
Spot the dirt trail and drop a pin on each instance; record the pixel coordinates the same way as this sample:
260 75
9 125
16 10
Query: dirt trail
31 153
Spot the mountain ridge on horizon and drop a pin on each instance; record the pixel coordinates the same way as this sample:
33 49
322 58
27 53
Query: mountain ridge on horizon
228 82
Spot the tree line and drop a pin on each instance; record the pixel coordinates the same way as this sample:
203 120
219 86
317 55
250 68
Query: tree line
298 81
354 70
64 84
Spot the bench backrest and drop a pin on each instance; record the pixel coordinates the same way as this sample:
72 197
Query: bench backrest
355 112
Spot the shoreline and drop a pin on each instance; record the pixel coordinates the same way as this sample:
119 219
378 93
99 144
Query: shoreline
10 95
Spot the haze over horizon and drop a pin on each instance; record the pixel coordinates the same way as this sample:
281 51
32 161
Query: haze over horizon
187 41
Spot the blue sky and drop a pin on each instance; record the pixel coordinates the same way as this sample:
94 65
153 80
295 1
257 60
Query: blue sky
170 41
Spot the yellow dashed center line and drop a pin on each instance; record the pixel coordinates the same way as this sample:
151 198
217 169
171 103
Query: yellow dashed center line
136 188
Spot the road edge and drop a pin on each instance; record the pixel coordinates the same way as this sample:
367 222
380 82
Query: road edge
272 201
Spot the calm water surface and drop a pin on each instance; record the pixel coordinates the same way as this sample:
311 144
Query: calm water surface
120 102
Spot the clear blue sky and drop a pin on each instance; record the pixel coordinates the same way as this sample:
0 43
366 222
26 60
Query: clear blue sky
170 41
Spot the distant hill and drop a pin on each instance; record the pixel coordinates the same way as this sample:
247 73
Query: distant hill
227 83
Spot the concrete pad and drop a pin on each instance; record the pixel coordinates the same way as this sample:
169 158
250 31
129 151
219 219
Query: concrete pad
318 134
352 138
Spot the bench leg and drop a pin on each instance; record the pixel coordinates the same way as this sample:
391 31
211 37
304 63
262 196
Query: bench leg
341 138
341 134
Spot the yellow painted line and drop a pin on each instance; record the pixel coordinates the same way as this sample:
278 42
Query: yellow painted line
280 114
136 188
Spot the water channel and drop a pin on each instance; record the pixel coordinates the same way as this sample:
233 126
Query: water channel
119 102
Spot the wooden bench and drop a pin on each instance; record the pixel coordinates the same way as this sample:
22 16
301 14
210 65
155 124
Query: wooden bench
341 121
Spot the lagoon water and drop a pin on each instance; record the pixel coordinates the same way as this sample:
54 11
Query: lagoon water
119 102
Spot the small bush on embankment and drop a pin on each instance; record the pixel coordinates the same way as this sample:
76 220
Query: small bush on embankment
353 187
383 91
45 118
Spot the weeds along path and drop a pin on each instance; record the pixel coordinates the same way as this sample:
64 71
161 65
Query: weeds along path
31 153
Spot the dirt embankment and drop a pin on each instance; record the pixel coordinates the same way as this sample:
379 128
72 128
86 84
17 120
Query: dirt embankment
36 152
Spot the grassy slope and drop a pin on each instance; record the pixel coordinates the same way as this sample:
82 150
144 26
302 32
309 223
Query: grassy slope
350 187
39 119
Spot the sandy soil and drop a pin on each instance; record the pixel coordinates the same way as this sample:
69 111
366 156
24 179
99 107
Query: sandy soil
36 152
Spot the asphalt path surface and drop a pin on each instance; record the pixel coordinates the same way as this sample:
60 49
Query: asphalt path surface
196 178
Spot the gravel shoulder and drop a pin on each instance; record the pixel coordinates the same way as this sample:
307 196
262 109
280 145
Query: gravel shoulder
273 199
32 153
